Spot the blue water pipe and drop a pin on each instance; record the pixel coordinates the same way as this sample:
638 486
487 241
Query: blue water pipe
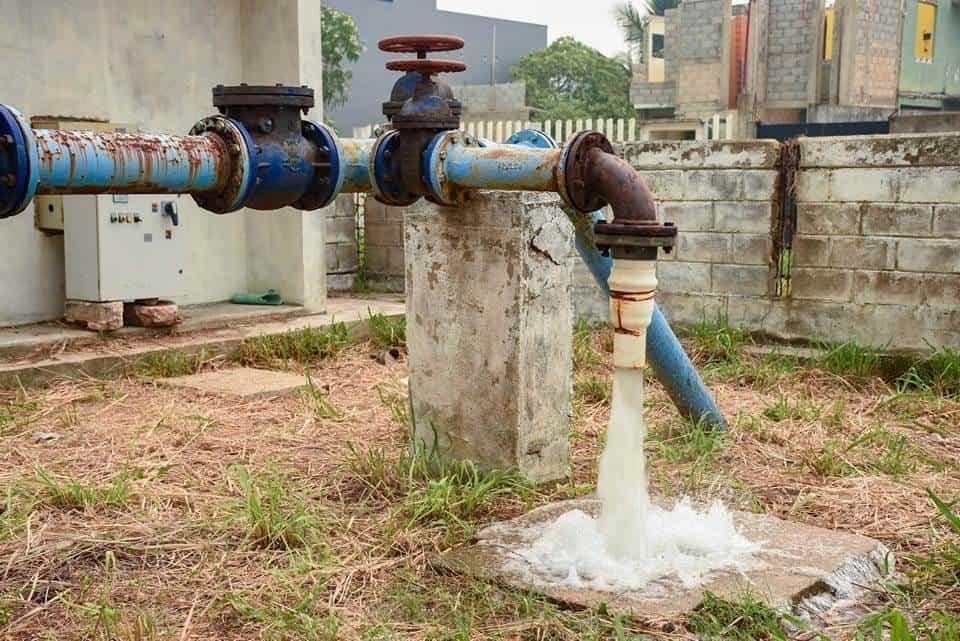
667 358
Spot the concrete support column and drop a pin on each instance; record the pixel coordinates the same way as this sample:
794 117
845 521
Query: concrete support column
286 248
488 331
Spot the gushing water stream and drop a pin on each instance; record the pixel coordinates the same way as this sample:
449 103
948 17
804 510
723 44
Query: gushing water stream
633 542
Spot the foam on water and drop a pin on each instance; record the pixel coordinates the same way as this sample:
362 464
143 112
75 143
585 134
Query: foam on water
633 542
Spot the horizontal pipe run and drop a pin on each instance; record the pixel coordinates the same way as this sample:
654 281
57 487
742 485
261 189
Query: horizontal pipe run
507 167
77 162
355 164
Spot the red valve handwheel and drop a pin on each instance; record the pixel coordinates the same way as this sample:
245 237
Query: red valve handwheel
426 67
420 44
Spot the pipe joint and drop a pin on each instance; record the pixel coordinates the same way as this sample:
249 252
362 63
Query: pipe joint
633 284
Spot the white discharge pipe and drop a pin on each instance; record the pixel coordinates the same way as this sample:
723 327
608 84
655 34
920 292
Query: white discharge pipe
633 284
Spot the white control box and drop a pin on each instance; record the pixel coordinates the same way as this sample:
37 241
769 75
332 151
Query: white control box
123 247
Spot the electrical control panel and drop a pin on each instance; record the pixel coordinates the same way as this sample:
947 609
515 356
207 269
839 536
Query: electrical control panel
123 247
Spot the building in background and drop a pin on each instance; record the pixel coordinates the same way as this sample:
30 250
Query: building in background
930 56
493 46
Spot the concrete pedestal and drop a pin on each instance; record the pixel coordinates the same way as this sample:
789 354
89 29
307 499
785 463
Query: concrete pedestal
488 331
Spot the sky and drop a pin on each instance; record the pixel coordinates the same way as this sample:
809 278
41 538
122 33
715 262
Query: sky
590 21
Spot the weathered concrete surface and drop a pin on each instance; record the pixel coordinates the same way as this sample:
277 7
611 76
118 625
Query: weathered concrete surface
97 317
488 331
805 568
245 382
162 314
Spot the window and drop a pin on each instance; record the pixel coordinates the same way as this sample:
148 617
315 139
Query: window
926 26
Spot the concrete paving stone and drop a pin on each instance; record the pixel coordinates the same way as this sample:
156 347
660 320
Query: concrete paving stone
807 569
245 382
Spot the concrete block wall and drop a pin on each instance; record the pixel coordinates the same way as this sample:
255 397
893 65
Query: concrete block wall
383 245
701 71
791 49
878 237
870 47
721 197
341 243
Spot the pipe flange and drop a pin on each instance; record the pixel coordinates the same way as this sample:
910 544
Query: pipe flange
444 192
532 138
328 177
242 154
387 186
573 169
18 162
644 235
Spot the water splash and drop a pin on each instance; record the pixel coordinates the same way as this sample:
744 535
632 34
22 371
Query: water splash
634 542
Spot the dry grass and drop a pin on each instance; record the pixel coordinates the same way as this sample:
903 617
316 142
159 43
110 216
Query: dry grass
270 519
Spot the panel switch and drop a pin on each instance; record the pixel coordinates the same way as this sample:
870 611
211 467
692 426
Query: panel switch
170 209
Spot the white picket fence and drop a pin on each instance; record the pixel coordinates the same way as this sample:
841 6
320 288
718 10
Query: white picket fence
615 129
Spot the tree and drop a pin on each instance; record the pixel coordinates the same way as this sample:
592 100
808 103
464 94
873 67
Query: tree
569 80
340 42
633 20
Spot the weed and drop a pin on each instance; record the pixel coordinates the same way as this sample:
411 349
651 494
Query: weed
322 407
939 372
168 364
893 625
747 619
593 389
15 414
6 613
716 341
70 494
293 612
850 359
69 419
896 456
307 345
395 400
585 353
829 461
695 442
784 410
275 516
387 332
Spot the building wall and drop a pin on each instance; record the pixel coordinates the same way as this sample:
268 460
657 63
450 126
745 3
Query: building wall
792 34
342 258
378 19
869 52
702 57
923 84
876 258
153 64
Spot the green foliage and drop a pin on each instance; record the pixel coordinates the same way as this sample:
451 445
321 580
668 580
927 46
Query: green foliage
308 345
340 44
829 461
939 372
633 21
585 353
70 494
570 80
387 332
716 341
395 400
593 389
318 401
16 413
430 492
276 516
784 410
171 363
694 442
747 619
851 359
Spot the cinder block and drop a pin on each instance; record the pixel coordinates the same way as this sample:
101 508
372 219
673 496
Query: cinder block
347 259
888 287
886 151
745 280
813 185
828 218
926 255
863 252
330 256
946 221
897 220
821 284
395 265
703 247
725 154
743 217
678 276
867 185
942 290
930 185
759 184
811 251
713 184
752 249
688 216
376 257
690 309
666 184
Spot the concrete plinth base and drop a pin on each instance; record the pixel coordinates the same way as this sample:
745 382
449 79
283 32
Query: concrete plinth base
488 331
162 313
95 316
245 382
807 569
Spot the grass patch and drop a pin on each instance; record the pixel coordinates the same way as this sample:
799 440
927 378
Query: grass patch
317 400
586 354
784 410
395 399
829 461
715 341
747 619
850 359
169 364
430 492
70 494
387 332
308 345
593 389
694 442
16 413
275 516
938 373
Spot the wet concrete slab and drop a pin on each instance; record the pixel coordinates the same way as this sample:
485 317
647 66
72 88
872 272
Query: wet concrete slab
807 569
245 382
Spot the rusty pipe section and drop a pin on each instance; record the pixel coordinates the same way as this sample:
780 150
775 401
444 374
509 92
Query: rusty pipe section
612 179
79 162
